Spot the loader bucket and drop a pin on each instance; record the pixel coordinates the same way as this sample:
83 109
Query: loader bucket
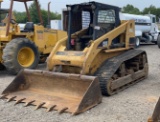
156 114
55 91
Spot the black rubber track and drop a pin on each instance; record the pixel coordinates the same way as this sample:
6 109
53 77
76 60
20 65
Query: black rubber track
110 66
10 54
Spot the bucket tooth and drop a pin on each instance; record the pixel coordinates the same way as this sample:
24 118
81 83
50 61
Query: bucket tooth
62 110
19 101
51 108
3 96
40 105
29 103
12 98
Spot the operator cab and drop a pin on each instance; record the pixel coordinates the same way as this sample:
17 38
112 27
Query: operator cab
87 22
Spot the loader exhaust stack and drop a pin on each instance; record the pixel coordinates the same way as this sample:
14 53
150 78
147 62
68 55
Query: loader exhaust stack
54 91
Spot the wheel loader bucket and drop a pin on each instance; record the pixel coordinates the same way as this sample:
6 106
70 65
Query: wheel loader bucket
55 91
156 114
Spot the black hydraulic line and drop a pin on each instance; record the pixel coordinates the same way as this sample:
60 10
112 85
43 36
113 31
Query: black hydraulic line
69 30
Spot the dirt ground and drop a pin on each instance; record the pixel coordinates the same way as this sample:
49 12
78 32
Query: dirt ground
134 104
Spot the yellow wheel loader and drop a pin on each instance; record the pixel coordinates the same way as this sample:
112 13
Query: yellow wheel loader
96 57
156 114
25 48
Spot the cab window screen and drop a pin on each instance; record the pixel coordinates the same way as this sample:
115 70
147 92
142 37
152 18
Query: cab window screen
85 19
106 16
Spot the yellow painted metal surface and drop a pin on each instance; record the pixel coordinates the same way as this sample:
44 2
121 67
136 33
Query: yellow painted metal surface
25 57
45 38
3 36
51 38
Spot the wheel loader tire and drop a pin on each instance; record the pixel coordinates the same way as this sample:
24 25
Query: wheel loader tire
158 41
20 53
2 67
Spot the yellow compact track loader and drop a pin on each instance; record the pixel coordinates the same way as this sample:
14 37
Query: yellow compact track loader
156 114
96 57
25 48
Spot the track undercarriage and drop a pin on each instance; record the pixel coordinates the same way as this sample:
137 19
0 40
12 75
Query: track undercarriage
122 71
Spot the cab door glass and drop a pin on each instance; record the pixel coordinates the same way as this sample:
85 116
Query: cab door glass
105 22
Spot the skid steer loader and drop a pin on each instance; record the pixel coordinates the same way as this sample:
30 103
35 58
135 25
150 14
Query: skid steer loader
96 57
156 114
25 48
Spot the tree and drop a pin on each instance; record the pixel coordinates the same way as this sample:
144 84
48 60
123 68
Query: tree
52 16
130 9
20 16
34 13
152 10
44 13
148 10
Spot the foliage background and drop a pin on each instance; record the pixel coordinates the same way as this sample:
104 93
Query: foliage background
22 18
148 10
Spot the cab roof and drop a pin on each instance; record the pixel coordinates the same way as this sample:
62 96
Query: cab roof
95 4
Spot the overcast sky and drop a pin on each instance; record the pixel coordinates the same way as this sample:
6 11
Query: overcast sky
58 5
